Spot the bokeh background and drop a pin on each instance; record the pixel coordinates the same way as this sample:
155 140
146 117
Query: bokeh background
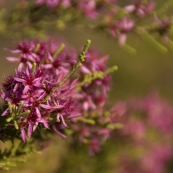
139 74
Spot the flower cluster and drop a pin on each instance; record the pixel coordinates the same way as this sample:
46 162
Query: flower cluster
40 93
89 8
117 21
148 133
43 93
95 126
95 82
92 130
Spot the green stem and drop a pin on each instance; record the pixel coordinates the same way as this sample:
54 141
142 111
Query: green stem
96 75
33 68
59 50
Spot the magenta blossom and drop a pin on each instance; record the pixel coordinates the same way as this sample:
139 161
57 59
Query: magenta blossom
121 28
89 8
140 8
54 3
27 55
163 27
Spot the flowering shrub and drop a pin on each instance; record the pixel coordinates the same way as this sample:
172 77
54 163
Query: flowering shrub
40 88
56 89
44 93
